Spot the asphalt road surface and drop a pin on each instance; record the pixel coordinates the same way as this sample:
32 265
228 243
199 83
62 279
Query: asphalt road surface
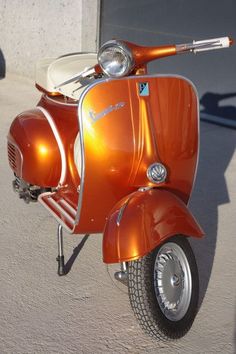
85 312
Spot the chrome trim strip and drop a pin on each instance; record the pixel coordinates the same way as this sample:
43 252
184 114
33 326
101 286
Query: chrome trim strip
61 103
80 188
81 133
58 207
80 103
198 113
59 142
68 207
121 212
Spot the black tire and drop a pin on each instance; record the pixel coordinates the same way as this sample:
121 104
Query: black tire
146 294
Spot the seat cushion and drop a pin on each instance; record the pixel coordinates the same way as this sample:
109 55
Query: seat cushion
50 72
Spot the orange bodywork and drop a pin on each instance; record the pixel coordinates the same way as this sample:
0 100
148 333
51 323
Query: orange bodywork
51 94
34 154
143 55
122 132
93 156
142 221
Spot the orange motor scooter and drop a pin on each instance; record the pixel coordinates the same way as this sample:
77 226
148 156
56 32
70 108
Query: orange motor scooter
110 149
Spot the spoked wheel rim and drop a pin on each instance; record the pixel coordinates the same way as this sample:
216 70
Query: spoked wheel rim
172 281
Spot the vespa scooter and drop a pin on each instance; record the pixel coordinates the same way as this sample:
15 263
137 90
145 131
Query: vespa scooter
110 149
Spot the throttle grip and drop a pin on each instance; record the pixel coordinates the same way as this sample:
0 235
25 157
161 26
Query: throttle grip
204 45
210 44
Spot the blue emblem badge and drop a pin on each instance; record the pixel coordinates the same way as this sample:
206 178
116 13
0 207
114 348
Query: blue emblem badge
143 89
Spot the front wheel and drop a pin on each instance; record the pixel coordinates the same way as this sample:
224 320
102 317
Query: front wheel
163 289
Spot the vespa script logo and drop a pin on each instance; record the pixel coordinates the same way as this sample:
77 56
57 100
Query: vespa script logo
96 116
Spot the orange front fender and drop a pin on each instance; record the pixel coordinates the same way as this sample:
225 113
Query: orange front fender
143 220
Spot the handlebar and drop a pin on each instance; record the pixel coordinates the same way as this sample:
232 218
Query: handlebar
204 45
142 55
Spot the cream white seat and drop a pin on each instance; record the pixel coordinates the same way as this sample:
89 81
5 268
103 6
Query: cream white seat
50 72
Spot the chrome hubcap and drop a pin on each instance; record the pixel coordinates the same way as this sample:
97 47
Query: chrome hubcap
175 280
172 281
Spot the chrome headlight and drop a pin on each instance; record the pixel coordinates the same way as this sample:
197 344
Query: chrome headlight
115 58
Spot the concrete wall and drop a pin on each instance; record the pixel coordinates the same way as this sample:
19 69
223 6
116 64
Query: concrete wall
31 30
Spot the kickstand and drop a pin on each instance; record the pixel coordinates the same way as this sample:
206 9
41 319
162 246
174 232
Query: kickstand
60 259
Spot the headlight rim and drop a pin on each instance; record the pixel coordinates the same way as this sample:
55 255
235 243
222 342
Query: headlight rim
124 49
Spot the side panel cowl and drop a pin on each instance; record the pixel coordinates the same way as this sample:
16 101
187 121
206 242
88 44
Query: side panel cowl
35 149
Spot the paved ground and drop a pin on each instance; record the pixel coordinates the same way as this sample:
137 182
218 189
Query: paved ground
85 312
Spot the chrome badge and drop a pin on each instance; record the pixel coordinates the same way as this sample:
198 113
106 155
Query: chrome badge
157 173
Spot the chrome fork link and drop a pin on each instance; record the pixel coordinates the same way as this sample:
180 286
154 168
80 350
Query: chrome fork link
122 275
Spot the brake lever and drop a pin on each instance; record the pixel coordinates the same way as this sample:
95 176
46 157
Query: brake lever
76 78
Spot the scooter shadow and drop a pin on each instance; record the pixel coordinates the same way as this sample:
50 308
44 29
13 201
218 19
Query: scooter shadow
217 148
212 104
76 252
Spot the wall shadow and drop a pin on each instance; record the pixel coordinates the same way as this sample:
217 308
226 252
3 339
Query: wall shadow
217 145
2 65
212 104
